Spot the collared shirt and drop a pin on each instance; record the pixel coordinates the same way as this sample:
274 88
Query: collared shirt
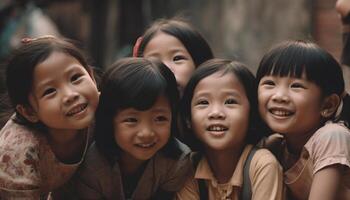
265 174
28 167
99 179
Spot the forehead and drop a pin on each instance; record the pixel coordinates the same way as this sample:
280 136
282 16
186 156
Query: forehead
218 83
57 64
160 105
164 41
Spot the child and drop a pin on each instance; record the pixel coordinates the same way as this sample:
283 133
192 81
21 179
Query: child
136 155
53 91
301 95
220 107
177 44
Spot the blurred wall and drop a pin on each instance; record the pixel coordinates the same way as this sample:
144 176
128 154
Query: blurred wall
236 29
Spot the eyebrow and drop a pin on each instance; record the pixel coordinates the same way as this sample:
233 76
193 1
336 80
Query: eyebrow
227 92
41 85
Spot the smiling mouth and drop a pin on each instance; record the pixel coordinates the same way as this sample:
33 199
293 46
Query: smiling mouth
280 112
77 109
217 128
146 145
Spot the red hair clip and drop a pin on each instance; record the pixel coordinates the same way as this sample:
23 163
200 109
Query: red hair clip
136 47
28 40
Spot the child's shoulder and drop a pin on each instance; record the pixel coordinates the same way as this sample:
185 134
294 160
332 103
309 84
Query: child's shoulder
95 160
19 156
330 132
14 136
182 158
264 157
333 127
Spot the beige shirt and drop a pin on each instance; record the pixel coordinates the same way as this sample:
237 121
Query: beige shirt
28 167
265 174
328 146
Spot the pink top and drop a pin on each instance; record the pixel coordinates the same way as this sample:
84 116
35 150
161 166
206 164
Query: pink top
28 167
328 146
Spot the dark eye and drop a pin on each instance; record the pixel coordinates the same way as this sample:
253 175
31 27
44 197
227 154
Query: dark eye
49 91
267 82
231 101
161 118
177 58
130 120
298 85
202 102
76 77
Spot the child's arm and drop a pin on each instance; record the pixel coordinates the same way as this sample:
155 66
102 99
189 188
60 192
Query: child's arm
266 176
329 151
93 178
177 170
325 184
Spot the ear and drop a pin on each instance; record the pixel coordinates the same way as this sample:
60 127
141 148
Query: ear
91 73
330 105
28 113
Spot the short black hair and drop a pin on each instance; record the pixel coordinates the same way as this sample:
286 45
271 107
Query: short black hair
293 58
248 81
135 83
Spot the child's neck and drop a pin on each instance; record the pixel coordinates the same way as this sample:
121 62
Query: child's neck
295 143
223 163
67 146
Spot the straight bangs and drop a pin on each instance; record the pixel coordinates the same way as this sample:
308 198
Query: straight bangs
284 61
294 58
137 87
142 93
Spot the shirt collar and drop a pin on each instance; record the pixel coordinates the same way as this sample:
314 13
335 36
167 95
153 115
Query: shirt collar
203 170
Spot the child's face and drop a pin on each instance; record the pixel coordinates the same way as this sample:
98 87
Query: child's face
220 112
64 96
173 54
290 105
140 134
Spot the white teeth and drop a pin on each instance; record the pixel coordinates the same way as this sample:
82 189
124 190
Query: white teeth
77 109
217 128
281 112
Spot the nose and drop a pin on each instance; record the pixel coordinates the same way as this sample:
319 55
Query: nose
217 112
146 134
280 96
69 95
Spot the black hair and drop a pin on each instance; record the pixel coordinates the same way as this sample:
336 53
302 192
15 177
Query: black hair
224 67
21 65
134 83
293 58
193 41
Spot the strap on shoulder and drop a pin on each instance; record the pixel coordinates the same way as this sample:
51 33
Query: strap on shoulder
246 187
203 190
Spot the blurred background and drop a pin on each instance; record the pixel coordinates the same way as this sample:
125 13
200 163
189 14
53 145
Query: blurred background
236 29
